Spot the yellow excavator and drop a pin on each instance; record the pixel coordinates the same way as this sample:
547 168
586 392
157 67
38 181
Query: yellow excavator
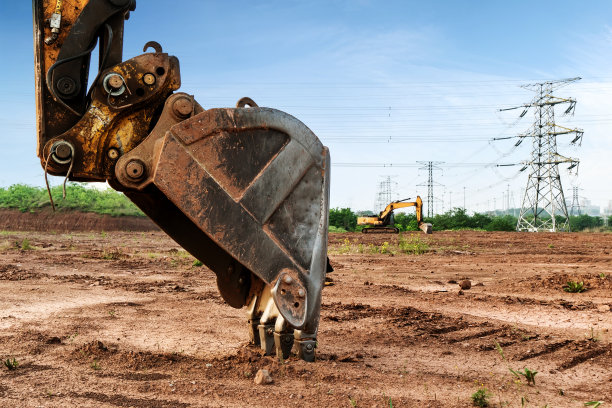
244 189
384 222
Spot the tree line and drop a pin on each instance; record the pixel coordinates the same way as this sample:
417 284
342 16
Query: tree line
344 219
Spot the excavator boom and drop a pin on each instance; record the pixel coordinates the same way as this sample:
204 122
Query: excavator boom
243 189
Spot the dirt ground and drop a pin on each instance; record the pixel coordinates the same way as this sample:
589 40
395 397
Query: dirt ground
118 319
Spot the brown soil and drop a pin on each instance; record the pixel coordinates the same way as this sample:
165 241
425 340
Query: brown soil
68 221
125 320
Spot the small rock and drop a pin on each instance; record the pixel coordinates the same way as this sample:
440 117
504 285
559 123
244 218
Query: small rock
263 377
603 308
460 292
465 284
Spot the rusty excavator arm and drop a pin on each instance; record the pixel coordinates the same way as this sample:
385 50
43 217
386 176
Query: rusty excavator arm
244 189
384 221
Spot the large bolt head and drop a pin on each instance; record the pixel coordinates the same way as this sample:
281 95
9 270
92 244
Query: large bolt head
66 86
182 107
63 151
115 81
113 153
114 84
148 79
135 169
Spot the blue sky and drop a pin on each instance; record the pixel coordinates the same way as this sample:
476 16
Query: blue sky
378 82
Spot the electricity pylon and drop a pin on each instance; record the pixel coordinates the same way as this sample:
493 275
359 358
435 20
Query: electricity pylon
385 194
575 210
543 199
430 167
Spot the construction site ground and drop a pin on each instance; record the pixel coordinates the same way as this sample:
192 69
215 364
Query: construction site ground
125 319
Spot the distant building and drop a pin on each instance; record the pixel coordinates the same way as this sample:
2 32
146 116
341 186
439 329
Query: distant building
608 210
587 208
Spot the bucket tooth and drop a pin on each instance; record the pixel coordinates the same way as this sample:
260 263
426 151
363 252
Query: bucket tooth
283 338
253 321
305 346
266 325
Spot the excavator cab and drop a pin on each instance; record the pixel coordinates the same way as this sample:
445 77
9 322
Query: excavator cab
244 189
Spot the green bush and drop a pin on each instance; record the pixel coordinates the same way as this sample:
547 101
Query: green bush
584 221
342 218
78 197
505 223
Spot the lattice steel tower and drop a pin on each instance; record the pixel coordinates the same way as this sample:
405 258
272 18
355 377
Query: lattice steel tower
385 194
430 167
543 199
575 210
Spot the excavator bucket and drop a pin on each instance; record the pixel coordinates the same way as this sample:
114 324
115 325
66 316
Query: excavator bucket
426 227
245 190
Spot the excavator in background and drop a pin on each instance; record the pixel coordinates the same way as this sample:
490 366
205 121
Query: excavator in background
384 221
244 189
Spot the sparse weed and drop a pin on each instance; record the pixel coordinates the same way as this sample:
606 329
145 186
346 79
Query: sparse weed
602 275
574 287
412 245
527 373
111 255
551 246
112 313
384 248
345 248
11 364
353 402
593 404
183 254
5 245
197 262
481 397
152 255
500 351
593 336
361 248
25 245
94 365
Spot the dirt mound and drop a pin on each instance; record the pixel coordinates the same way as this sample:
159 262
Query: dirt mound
69 221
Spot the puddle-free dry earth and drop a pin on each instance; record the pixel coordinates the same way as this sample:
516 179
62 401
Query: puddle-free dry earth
122 319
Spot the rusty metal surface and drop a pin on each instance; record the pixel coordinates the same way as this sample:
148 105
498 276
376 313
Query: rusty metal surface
256 182
177 108
51 118
117 122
